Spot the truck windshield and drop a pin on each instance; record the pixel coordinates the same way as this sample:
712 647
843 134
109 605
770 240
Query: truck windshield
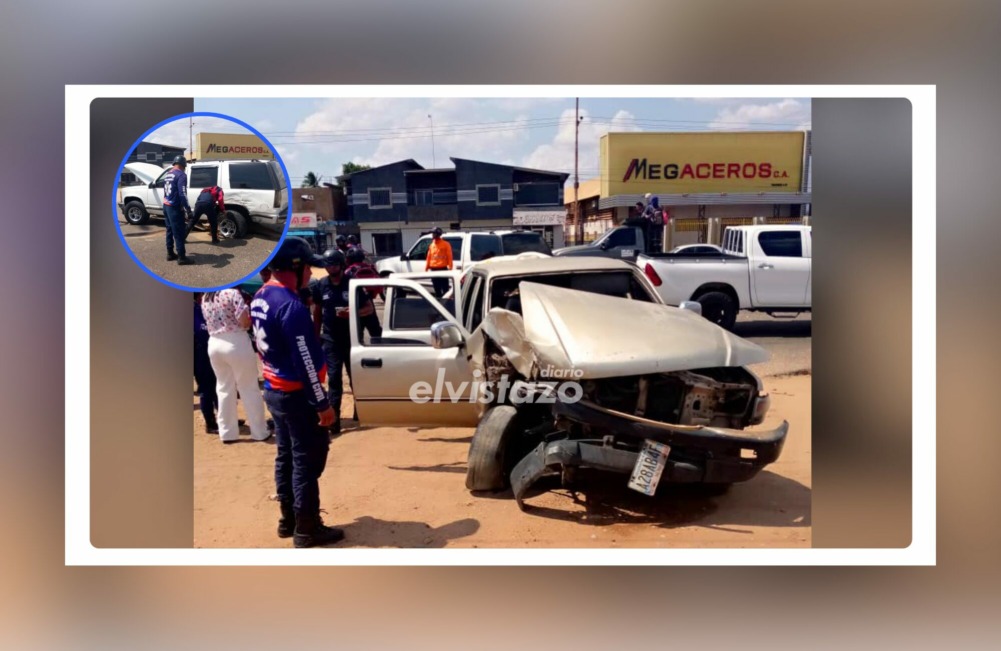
515 243
504 292
619 237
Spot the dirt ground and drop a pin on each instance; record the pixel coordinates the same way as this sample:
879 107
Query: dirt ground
214 264
404 487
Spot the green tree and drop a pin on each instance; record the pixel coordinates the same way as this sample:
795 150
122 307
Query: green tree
350 168
311 180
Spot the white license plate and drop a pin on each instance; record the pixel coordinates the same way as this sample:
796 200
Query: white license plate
649 467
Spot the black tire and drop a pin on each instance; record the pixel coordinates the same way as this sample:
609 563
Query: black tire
135 213
232 225
720 308
487 469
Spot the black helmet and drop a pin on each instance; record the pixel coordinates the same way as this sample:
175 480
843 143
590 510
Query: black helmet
355 256
181 161
294 253
352 239
436 231
333 257
340 239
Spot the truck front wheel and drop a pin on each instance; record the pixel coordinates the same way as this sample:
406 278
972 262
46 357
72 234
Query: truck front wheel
135 213
720 308
488 465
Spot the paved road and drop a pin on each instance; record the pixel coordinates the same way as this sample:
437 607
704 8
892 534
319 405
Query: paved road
788 340
215 265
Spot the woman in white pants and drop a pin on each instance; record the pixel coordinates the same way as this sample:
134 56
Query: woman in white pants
227 317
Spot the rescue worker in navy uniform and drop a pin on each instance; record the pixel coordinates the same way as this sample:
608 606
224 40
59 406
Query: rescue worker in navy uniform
294 371
175 208
211 204
332 321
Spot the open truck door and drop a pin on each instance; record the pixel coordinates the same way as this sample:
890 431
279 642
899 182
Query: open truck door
417 372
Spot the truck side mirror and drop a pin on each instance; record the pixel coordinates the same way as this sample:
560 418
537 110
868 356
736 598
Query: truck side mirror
445 334
603 246
403 258
692 306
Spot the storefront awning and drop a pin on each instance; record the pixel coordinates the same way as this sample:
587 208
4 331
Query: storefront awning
709 199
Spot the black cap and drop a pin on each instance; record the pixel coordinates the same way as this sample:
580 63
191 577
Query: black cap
352 239
295 252
355 256
180 160
340 238
436 231
333 257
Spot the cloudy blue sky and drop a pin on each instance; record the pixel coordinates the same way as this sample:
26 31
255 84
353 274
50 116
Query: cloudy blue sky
320 134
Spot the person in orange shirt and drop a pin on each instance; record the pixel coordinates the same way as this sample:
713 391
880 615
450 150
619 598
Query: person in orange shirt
439 259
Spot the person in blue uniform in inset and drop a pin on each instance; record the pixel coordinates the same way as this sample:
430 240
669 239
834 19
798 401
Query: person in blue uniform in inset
294 372
175 209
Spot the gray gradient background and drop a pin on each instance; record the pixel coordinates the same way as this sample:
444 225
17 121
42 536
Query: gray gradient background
955 46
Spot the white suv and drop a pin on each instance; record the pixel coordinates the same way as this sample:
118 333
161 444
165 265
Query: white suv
254 191
467 249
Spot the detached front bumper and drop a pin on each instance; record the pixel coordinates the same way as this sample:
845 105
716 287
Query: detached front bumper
699 454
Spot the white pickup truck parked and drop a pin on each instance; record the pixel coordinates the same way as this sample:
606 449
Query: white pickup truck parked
762 268
467 248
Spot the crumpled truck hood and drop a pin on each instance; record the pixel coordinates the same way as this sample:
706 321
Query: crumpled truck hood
595 336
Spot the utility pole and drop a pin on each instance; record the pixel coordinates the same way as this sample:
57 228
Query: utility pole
191 148
576 179
432 140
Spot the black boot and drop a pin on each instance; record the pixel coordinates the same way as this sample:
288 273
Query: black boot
215 236
286 524
311 532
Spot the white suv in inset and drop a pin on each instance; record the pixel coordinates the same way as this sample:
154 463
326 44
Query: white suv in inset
254 191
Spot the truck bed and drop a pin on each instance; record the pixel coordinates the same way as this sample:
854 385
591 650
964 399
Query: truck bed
673 257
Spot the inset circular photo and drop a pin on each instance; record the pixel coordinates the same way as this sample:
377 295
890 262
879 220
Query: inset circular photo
201 201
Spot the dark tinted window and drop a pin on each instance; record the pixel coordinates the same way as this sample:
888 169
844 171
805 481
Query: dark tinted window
276 169
411 311
785 244
482 247
477 306
250 176
515 243
473 302
456 244
420 250
488 194
622 237
538 194
204 177
386 243
380 198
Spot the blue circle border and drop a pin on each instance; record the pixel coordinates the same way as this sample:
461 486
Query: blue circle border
117 181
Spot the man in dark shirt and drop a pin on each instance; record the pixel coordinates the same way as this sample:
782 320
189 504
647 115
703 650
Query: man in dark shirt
175 207
209 203
332 320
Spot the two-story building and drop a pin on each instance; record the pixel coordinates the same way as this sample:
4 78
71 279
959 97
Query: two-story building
395 204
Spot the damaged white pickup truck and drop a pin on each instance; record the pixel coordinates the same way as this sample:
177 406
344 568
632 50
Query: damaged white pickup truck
563 363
